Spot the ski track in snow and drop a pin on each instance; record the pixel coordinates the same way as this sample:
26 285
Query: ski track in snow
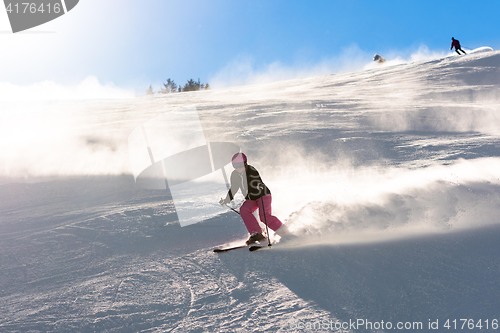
100 286
390 174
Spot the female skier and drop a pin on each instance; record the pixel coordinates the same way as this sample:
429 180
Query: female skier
258 196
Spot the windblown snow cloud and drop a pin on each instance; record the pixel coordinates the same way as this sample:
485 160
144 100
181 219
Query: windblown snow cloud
348 204
89 88
245 70
43 128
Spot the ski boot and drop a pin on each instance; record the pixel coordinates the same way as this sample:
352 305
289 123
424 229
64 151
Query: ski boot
256 237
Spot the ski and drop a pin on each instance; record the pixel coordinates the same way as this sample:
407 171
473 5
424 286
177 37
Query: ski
257 247
252 247
226 249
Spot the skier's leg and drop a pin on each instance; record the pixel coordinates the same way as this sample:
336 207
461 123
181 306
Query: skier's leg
456 50
246 212
265 208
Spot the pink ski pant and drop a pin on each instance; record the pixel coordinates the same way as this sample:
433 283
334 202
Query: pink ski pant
265 213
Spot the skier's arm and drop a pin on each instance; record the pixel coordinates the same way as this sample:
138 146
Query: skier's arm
229 197
235 186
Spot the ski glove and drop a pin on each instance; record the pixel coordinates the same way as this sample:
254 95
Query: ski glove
224 201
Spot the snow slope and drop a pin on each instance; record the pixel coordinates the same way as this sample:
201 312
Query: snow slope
390 174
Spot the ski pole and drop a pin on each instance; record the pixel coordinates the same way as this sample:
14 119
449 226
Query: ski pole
228 187
234 210
265 222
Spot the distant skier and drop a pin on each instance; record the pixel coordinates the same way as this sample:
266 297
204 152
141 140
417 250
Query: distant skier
378 58
456 44
258 197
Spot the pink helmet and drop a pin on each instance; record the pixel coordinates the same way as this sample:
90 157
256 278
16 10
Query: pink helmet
239 160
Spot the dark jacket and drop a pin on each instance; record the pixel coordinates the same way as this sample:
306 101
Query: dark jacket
455 44
251 185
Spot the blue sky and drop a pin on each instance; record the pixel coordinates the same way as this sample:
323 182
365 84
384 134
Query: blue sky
132 43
